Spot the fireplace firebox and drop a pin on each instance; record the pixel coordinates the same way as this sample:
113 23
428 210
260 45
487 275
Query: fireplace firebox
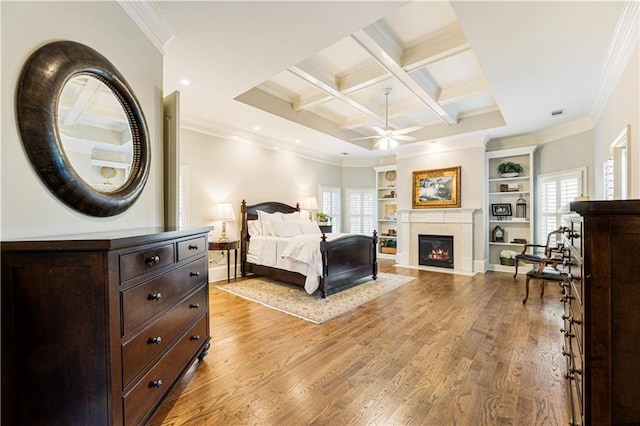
435 250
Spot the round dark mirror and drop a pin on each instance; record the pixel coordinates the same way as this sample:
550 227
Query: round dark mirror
83 128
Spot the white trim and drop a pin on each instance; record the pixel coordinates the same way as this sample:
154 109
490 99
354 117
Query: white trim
625 38
151 21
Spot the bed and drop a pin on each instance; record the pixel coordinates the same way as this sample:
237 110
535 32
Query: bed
341 261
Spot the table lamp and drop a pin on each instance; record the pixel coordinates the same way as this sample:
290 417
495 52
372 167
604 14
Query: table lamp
310 204
225 213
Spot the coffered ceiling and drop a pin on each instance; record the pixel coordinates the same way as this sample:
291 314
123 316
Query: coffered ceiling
310 77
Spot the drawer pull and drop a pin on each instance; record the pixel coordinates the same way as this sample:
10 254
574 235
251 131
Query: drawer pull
156 383
576 370
193 247
155 340
194 306
155 296
566 333
565 353
567 298
575 277
194 274
196 337
153 260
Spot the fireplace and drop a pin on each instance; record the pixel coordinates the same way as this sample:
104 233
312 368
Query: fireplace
435 250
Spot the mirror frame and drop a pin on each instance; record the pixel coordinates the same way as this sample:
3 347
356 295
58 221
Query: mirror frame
41 82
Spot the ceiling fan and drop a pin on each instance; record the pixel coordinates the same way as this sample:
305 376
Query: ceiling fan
387 136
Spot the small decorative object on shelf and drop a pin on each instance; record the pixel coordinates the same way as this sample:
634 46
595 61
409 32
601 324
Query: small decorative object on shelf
497 235
521 208
508 257
519 241
390 176
509 169
388 246
501 210
108 173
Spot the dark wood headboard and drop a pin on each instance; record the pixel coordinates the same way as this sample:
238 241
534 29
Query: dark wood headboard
251 213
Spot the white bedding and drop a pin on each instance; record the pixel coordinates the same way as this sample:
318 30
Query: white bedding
300 253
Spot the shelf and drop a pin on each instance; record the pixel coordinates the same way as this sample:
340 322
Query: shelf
509 179
511 193
387 188
388 237
524 222
493 243
387 199
388 220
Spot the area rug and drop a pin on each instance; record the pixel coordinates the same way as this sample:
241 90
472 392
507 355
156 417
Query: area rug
295 301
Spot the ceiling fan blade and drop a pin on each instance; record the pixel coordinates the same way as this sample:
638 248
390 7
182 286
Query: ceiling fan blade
407 130
404 138
365 137
381 132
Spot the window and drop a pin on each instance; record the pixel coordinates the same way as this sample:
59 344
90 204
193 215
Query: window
361 211
556 190
331 203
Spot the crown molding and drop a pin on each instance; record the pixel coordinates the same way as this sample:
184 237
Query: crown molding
625 38
150 19
570 128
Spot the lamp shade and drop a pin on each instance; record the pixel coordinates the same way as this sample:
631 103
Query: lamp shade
225 212
309 203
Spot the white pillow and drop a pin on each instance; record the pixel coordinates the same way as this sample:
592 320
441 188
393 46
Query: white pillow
309 228
285 229
265 220
254 227
292 217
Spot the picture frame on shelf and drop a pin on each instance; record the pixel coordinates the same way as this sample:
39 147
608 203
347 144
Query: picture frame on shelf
501 210
436 188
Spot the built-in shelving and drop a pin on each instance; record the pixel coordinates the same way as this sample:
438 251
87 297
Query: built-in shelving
516 187
386 212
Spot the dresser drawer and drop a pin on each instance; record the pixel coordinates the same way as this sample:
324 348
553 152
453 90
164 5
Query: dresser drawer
151 297
152 387
190 248
138 352
141 262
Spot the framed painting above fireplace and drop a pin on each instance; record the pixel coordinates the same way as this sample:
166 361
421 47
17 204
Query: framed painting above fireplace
436 188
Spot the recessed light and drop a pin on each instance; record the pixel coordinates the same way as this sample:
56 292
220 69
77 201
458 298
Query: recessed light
297 140
185 82
256 128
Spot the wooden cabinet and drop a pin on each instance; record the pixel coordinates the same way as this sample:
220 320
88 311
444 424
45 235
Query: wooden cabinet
96 329
387 206
503 193
602 319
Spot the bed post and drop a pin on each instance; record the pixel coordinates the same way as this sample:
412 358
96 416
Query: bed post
244 239
325 265
375 254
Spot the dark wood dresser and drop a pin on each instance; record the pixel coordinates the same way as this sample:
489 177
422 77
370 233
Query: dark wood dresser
97 328
602 312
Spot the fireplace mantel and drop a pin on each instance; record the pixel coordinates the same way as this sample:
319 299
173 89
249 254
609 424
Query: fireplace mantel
456 222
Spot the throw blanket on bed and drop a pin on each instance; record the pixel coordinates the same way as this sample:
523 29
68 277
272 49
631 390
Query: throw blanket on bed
306 249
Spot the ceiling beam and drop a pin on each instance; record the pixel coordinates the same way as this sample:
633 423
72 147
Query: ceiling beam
463 89
315 75
448 42
379 43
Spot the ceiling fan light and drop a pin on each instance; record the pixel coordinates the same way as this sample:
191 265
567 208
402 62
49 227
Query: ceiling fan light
384 143
393 143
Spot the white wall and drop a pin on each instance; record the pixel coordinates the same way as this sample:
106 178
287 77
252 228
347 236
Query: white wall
568 153
230 171
622 109
28 208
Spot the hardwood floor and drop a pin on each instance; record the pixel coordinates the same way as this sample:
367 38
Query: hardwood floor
442 350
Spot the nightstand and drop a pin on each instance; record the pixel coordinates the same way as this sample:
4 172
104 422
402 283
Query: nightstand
326 229
228 246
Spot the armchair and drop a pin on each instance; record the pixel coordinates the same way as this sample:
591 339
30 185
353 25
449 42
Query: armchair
546 273
533 254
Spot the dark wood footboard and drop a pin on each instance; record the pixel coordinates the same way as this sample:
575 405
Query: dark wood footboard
344 260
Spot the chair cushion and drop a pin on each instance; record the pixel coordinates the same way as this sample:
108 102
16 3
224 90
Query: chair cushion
528 257
548 273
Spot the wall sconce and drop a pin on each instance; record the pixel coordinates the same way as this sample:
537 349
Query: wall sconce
310 204
225 213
